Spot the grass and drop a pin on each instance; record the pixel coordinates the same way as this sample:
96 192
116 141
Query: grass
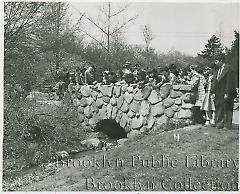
195 142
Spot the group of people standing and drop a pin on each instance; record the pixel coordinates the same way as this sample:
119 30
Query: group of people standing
215 95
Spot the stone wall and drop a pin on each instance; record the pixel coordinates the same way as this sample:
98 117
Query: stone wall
133 107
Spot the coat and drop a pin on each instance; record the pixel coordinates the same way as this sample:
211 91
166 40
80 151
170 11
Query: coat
224 85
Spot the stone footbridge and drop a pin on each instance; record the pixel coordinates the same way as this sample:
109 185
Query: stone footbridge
133 107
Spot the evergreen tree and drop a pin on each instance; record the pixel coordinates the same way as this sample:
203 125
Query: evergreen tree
213 49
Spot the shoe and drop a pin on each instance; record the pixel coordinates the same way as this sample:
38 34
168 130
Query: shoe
219 126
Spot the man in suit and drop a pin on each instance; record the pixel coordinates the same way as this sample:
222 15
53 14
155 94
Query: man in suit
224 91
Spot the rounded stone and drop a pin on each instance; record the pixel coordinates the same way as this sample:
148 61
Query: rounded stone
145 108
169 112
146 91
135 106
165 90
168 102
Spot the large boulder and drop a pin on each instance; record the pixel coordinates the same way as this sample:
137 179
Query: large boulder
145 108
157 109
120 102
92 143
123 121
136 122
168 102
125 107
106 90
135 106
169 112
117 91
85 90
165 90
99 102
154 98
128 97
146 91
88 112
175 94
138 95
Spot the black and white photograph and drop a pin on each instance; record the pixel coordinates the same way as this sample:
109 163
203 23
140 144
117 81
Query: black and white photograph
135 96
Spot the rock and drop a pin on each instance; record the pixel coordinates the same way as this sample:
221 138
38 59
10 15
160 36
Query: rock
146 91
106 99
184 114
99 102
151 122
125 107
83 102
133 134
78 95
88 112
175 108
123 121
76 102
161 120
85 90
144 129
128 97
165 90
176 87
92 123
130 89
99 95
122 141
135 106
89 100
124 88
109 110
80 109
175 94
187 106
169 112
153 98
119 116
117 91
94 95
106 90
103 113
130 114
186 98
113 101
92 143
120 102
186 88
114 112
136 123
145 108
86 121
127 129
157 109
80 118
138 95
178 101
94 107
168 102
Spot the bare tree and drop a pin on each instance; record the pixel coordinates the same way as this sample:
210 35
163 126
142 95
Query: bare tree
148 37
108 26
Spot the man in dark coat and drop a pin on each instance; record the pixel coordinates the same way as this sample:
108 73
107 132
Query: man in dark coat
225 91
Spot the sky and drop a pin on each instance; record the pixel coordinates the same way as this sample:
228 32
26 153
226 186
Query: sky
184 26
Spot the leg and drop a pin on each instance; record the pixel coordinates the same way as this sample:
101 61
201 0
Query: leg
219 115
228 114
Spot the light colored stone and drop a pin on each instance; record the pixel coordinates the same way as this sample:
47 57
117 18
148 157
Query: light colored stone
175 108
122 141
119 116
144 129
103 113
123 121
176 87
153 98
114 112
130 89
113 101
136 123
169 112
124 88
88 112
106 99
89 100
92 122
80 117
151 122
127 129
146 92
165 90
99 95
187 88
78 95
128 97
83 102
135 106
186 98
125 107
168 102
157 109
138 95
161 120
185 114
130 114
120 102
133 134
187 106
85 90
80 109
117 91
178 101
175 94
109 110
76 102
106 90
92 143
94 95
99 102
145 108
